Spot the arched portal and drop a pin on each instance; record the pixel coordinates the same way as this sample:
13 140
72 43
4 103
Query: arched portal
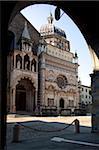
20 98
25 96
61 103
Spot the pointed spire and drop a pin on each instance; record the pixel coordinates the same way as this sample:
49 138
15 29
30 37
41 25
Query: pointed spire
50 18
25 33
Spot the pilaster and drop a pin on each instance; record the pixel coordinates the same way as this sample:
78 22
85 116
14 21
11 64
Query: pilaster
12 100
14 60
42 80
95 101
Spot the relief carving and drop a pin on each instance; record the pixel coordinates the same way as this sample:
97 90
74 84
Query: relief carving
50 76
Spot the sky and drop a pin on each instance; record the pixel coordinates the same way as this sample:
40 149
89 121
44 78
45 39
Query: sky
37 16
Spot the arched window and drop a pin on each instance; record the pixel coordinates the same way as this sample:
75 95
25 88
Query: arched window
26 46
18 61
26 62
61 103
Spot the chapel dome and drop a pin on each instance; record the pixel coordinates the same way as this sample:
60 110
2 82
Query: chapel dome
50 29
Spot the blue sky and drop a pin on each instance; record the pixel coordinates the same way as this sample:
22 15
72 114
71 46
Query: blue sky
37 16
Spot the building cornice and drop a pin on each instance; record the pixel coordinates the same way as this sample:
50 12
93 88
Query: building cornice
58 62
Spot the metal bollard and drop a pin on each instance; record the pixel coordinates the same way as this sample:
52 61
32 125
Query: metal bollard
16 130
77 127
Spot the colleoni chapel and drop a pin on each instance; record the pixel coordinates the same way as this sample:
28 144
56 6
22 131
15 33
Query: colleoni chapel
42 73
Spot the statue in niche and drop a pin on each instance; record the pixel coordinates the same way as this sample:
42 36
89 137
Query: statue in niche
30 48
26 47
18 64
33 67
26 65
23 46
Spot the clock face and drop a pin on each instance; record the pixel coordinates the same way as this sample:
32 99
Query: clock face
61 82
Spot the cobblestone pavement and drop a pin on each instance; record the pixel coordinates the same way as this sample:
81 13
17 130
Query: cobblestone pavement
40 139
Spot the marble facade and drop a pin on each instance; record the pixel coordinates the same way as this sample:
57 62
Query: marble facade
42 72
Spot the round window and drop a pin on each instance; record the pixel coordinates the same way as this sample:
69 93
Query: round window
61 82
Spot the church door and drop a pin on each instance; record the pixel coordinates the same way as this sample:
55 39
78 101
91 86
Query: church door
20 98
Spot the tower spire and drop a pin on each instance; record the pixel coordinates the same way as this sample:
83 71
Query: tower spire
25 33
50 18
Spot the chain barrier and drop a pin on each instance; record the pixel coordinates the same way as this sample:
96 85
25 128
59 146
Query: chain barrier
45 130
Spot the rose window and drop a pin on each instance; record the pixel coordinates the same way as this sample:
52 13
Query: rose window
61 82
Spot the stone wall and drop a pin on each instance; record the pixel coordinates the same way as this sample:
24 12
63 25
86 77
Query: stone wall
95 101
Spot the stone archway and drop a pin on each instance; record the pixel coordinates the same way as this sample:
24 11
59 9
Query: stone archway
25 96
20 98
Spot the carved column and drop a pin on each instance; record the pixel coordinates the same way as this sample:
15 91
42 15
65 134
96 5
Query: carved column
95 101
36 97
10 100
41 79
13 100
36 65
14 60
31 63
36 105
22 61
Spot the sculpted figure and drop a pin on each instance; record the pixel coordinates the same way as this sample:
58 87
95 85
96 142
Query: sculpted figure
33 67
18 64
26 65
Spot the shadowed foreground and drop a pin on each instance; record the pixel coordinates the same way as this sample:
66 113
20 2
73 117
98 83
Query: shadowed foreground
46 129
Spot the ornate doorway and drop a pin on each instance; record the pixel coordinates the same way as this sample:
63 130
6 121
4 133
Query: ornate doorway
20 98
25 96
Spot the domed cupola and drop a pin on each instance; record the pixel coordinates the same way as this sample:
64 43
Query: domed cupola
59 32
54 36
50 29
